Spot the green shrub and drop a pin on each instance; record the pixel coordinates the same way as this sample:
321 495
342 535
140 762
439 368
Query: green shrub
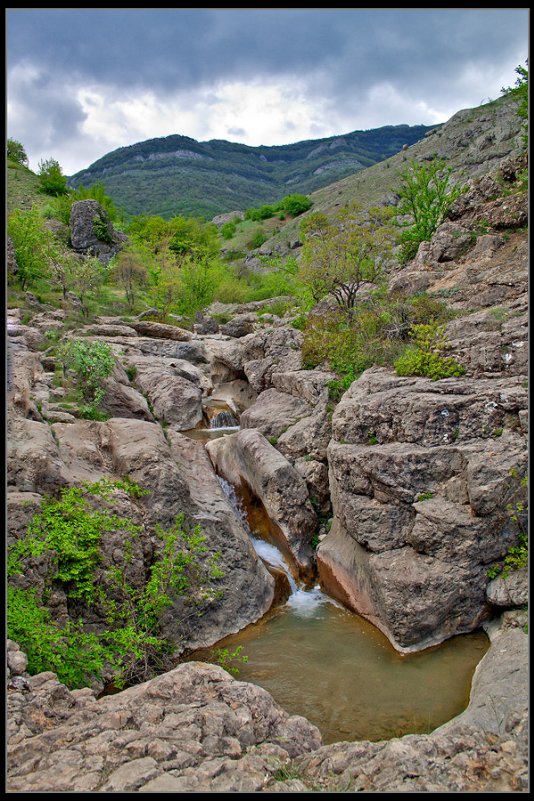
228 230
426 194
101 228
295 204
423 357
91 363
16 152
257 239
516 512
224 657
67 532
51 178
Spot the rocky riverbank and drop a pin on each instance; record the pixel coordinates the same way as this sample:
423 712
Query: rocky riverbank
196 729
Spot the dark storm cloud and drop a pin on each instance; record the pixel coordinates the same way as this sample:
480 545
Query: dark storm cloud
169 49
81 81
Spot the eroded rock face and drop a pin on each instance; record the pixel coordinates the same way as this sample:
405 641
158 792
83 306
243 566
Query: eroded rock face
196 729
274 412
270 351
247 457
180 479
85 237
419 489
192 729
175 400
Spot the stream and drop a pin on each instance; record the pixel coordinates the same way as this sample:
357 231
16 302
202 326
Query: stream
319 660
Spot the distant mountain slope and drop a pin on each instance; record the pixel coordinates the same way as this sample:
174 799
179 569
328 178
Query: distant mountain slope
472 142
178 175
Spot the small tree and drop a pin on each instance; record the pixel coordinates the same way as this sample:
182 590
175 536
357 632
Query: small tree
426 194
130 272
16 152
295 204
520 91
33 246
91 363
344 254
86 275
51 178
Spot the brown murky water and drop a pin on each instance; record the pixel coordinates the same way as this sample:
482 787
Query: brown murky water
328 664
332 666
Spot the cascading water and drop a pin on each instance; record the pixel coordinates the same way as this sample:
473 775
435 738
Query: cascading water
302 600
224 419
319 660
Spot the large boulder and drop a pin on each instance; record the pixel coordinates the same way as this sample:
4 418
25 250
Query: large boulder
91 231
247 458
271 351
193 729
274 412
174 399
421 475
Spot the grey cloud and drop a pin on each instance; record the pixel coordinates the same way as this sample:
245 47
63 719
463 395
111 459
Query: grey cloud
180 48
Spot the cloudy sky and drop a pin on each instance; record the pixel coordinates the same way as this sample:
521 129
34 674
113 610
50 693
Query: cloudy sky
83 82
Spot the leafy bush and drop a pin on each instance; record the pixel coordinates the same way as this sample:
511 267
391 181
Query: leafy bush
517 513
51 178
228 230
101 228
423 356
224 657
426 194
16 152
257 239
91 363
67 533
33 244
294 204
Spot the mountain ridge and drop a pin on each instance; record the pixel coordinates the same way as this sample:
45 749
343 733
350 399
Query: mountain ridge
177 174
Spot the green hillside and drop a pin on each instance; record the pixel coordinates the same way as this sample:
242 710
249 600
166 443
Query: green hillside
469 142
178 175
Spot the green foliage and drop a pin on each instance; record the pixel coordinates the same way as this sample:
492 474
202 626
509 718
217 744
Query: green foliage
425 496
426 194
131 372
423 356
338 386
520 91
224 657
82 275
91 363
101 228
264 212
67 533
16 152
372 439
33 244
74 655
342 255
257 239
129 270
228 230
374 333
294 204
517 514
51 178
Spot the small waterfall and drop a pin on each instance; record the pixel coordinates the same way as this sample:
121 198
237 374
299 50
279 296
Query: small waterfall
224 419
302 601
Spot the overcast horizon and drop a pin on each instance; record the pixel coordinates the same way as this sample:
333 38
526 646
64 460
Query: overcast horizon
84 82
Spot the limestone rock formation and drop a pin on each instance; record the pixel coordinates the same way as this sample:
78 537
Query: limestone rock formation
419 485
248 458
91 231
